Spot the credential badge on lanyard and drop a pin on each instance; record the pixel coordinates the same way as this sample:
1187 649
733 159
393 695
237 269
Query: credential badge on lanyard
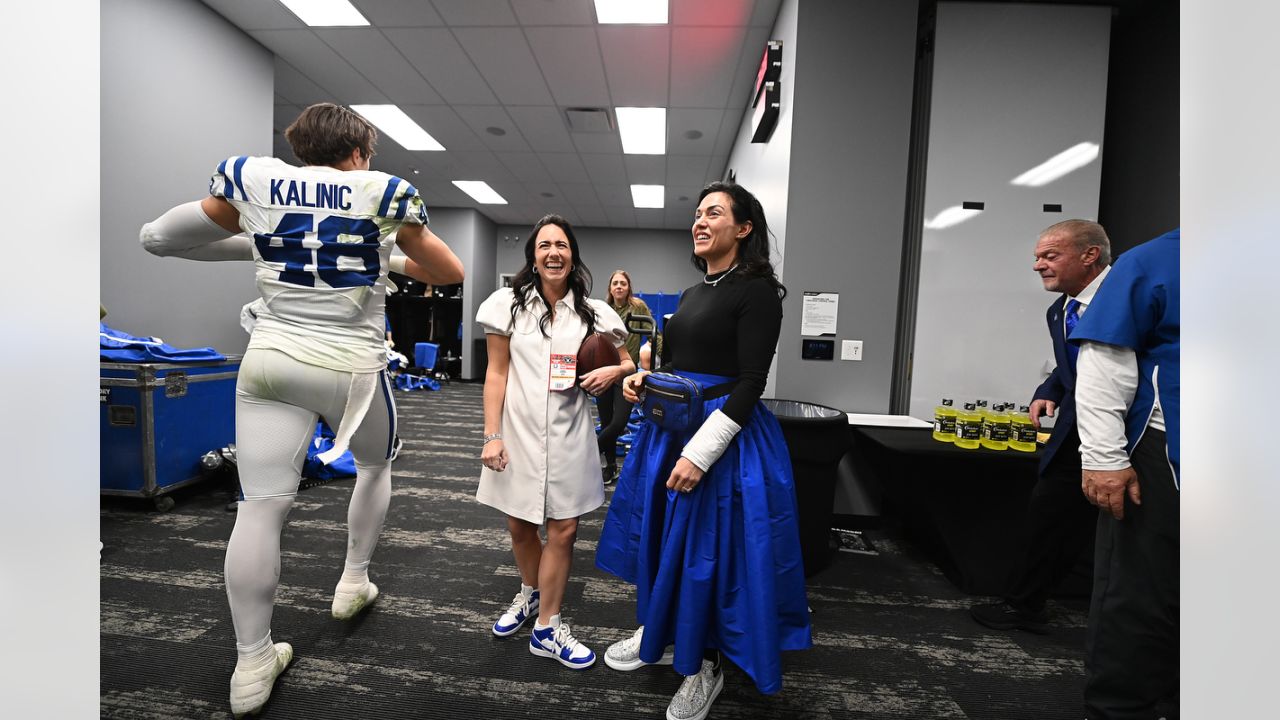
564 372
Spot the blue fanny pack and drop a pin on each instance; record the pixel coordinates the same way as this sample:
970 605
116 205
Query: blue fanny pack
674 402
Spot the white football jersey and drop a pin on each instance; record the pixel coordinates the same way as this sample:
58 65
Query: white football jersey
321 241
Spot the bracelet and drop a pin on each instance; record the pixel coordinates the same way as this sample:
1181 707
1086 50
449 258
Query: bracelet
490 438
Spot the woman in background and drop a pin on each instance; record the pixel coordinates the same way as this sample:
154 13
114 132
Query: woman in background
539 464
614 409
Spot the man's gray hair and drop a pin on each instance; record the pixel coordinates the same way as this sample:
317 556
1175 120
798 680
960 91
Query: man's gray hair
1086 234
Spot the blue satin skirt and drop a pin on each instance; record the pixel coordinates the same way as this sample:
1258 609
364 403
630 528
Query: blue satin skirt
718 567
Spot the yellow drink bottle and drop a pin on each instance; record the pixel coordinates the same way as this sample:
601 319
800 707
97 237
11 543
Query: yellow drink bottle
968 427
981 407
944 421
995 431
1022 433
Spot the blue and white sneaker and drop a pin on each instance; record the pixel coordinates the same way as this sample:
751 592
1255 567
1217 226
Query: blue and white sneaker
556 641
522 608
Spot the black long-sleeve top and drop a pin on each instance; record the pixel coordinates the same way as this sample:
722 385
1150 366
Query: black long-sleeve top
727 329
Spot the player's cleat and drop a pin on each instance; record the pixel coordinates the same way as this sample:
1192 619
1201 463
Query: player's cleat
250 689
350 598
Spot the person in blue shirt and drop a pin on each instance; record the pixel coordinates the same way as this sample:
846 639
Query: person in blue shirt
1127 405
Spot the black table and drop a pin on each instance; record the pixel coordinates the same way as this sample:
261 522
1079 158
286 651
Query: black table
963 508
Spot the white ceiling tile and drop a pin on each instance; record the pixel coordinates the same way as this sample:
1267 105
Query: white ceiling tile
646 169
685 171
597 142
443 124
436 54
296 87
615 194
554 12
525 166
543 128
579 193
650 218
621 216
730 127
475 12
399 13
480 165
250 15
636 62
503 57
542 192
482 117
372 56
590 216
703 62
321 64
702 122
716 168
679 216
570 61
564 167
711 12
604 168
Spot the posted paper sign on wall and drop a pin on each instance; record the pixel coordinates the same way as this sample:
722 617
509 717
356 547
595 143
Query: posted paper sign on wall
820 313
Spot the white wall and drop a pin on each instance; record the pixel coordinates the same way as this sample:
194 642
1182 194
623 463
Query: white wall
1013 85
175 103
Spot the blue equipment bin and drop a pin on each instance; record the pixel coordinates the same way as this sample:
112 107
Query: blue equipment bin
424 355
157 419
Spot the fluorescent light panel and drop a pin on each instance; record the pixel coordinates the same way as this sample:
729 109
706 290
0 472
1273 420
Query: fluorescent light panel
643 130
1072 158
953 215
392 121
648 196
326 13
480 191
631 12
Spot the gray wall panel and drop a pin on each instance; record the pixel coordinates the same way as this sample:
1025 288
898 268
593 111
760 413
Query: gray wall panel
174 104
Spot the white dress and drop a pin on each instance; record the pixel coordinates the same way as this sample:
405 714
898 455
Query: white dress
554 468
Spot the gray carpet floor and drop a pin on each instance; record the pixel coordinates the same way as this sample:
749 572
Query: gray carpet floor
892 637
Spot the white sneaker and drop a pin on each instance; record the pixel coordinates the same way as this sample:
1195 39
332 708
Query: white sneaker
522 608
624 655
251 688
693 700
557 641
350 598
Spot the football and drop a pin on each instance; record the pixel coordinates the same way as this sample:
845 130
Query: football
596 351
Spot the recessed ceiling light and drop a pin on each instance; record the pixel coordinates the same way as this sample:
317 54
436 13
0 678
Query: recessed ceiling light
326 13
643 130
647 196
480 191
631 12
1073 158
398 126
495 130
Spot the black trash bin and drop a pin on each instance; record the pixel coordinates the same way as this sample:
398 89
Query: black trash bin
817 438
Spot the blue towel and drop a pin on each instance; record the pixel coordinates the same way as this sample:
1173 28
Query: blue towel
118 346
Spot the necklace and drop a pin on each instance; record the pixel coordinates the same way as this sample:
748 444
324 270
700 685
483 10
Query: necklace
723 275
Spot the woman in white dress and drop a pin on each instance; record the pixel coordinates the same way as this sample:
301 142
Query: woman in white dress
539 455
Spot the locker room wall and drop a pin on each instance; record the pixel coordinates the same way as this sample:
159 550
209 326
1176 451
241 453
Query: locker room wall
174 105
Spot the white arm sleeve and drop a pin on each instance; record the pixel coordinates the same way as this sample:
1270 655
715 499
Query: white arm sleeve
1106 381
180 229
236 247
709 443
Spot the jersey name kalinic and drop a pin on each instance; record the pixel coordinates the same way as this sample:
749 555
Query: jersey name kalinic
321 241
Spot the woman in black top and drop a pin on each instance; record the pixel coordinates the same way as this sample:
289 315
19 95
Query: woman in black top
703 520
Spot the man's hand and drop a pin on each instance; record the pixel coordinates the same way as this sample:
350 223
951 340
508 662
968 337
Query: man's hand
1107 488
1041 407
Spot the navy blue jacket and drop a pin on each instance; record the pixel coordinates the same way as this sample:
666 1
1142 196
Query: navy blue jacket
1060 387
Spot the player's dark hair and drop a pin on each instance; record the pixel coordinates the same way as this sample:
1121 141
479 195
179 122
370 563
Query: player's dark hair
753 250
325 134
579 278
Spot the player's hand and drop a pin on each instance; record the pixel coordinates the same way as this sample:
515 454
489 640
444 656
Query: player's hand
633 385
1041 407
685 476
494 455
1107 489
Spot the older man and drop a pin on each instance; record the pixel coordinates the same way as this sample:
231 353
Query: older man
1129 397
1072 258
